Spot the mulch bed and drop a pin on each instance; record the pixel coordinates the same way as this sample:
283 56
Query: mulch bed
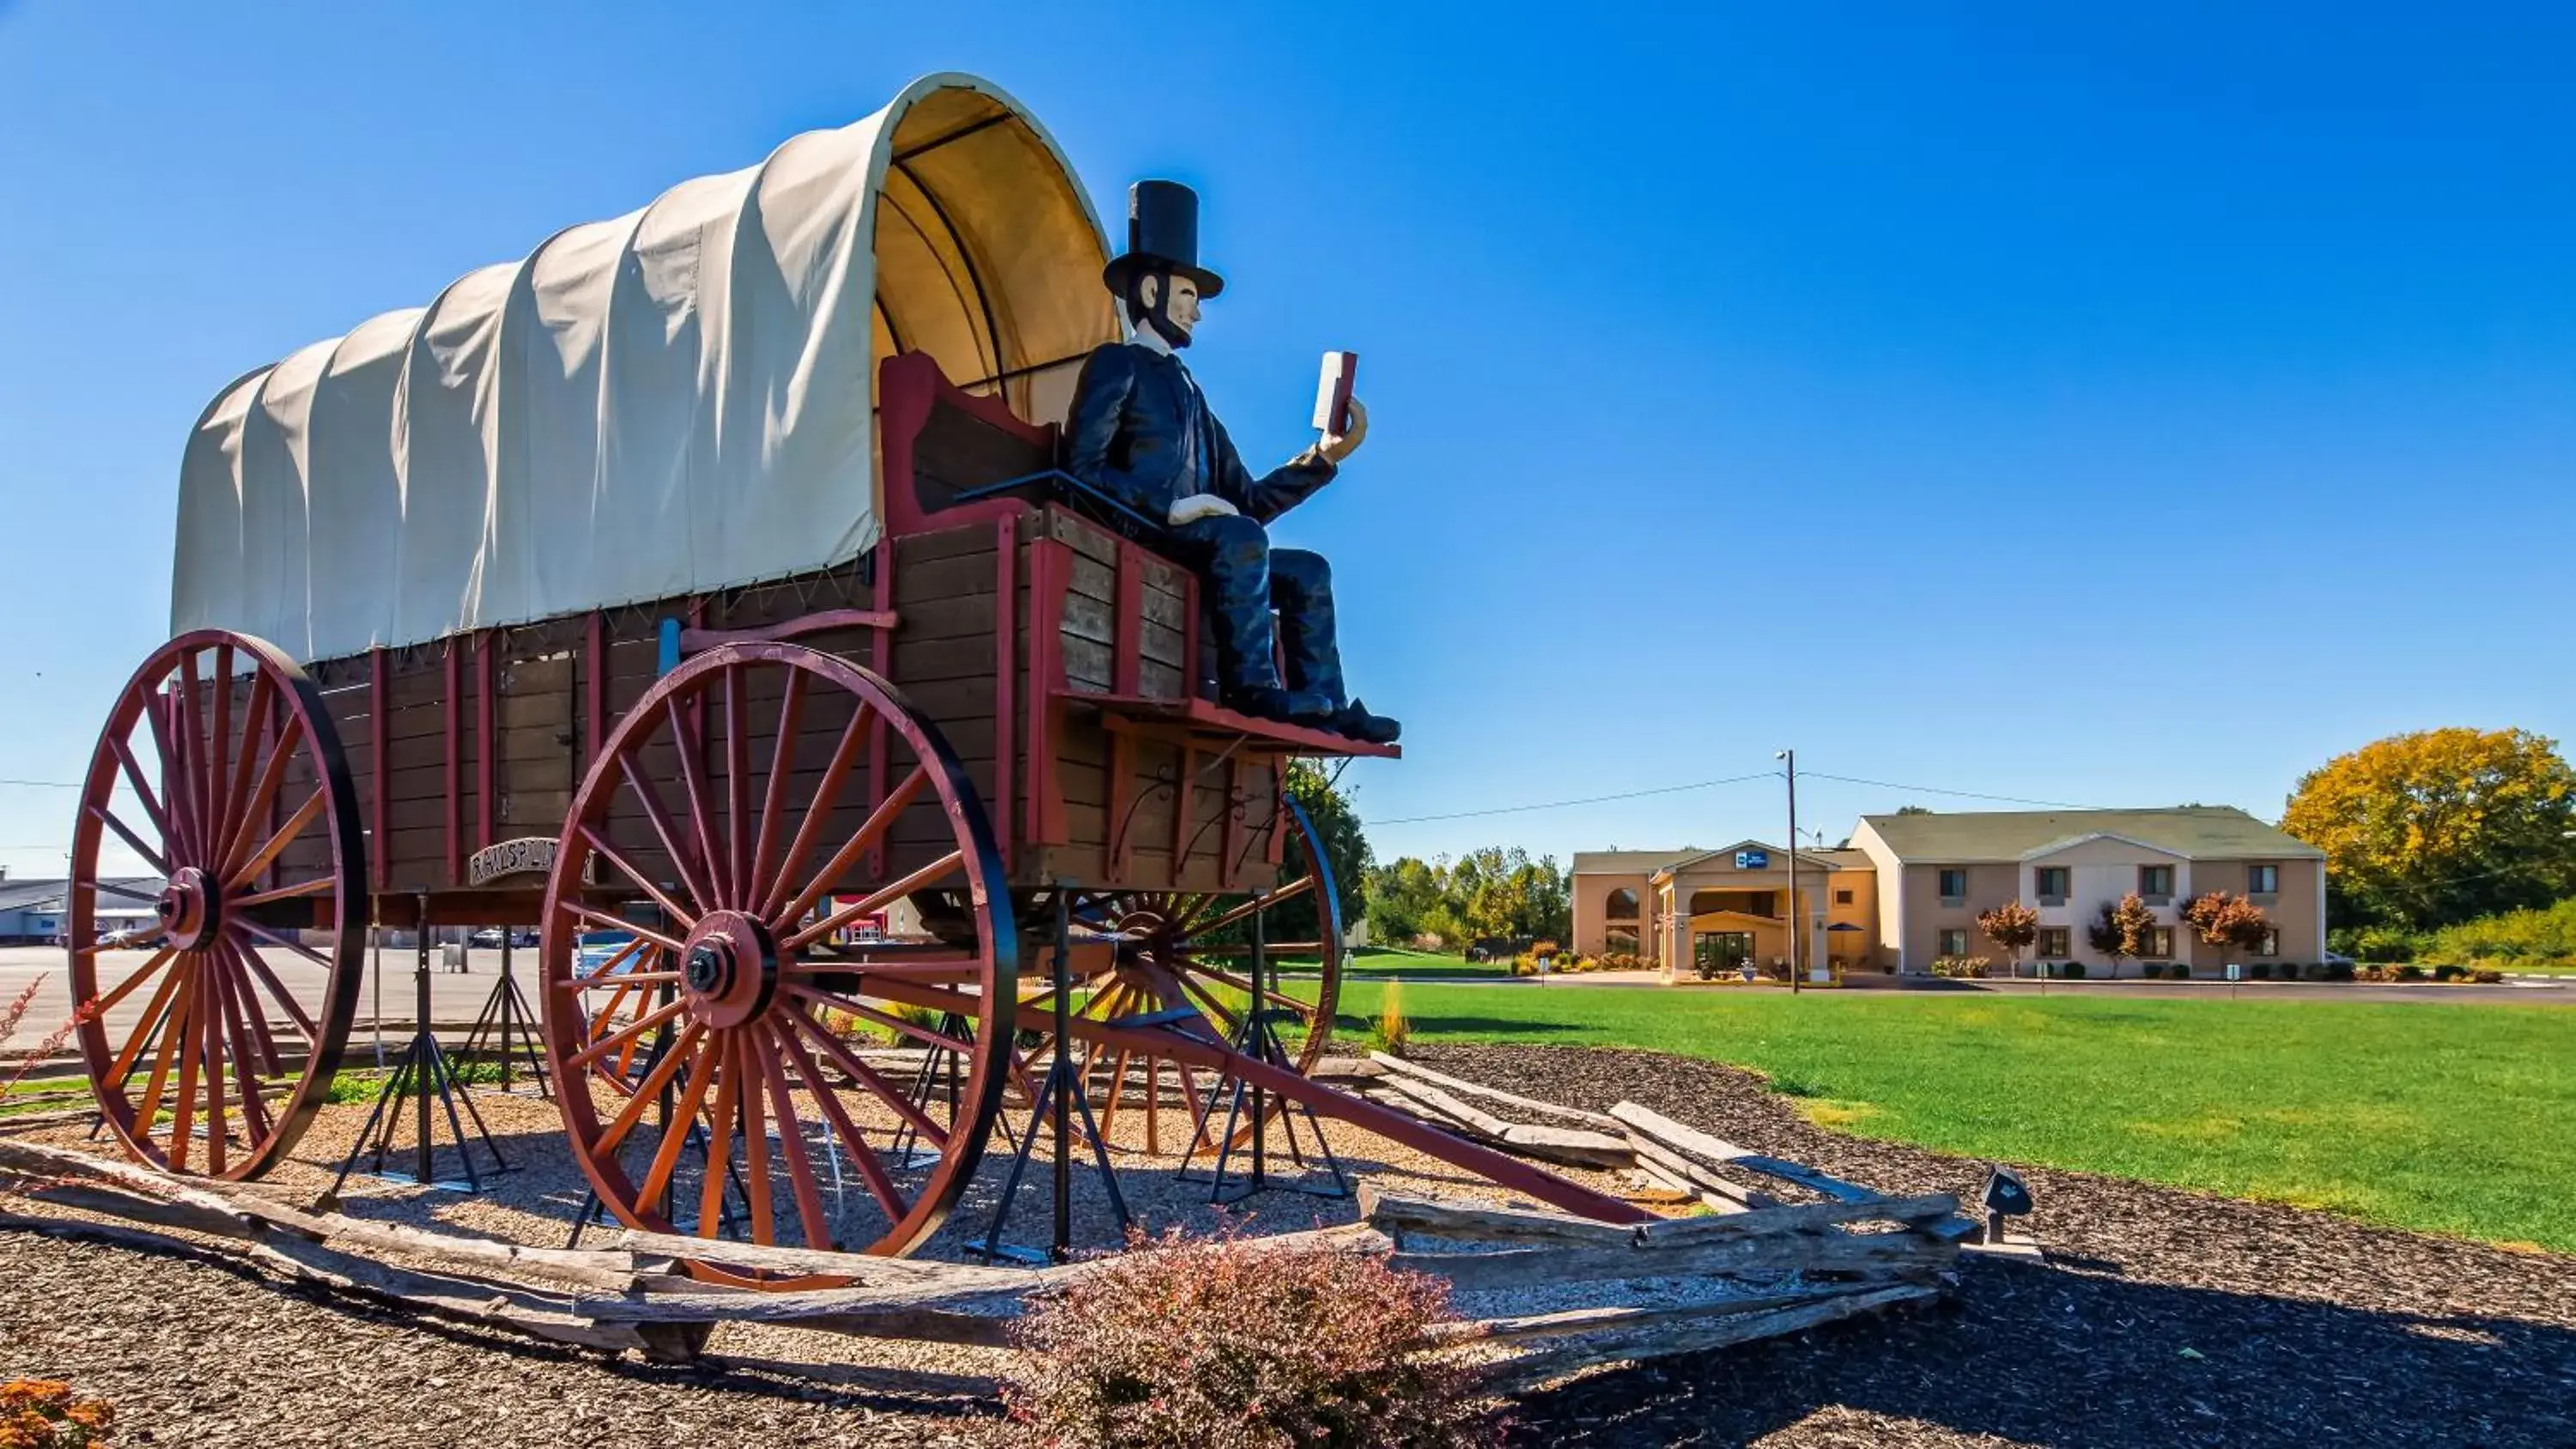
2300 1328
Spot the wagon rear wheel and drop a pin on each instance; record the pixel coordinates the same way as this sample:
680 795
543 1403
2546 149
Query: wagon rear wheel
219 769
816 1096
1153 951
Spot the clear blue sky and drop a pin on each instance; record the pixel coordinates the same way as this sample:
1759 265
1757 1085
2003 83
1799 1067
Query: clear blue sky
2122 408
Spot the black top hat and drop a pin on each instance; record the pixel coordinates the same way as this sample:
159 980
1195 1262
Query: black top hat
1162 234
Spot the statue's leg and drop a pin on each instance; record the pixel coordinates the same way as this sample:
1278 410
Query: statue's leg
1301 586
1232 555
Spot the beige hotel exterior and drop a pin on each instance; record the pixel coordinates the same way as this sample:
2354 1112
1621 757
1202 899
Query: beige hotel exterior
1907 890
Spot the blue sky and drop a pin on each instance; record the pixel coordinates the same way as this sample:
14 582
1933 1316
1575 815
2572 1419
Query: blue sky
2109 409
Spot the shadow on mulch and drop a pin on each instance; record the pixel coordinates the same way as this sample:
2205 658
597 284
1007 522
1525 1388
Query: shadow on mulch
2163 1317
2043 1356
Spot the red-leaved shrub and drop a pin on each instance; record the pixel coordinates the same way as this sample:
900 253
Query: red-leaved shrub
44 1414
1188 1342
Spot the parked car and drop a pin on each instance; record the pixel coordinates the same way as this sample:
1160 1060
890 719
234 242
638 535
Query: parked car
488 936
595 949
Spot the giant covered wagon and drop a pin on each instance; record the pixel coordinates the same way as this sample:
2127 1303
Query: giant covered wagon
705 580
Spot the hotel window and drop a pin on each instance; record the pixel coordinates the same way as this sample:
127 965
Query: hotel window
2262 880
1953 942
2159 944
1954 885
2271 943
2056 941
1842 897
1619 941
2051 882
2155 882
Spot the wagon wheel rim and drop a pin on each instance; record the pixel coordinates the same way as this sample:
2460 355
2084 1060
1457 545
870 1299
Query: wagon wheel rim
219 767
730 1002
1170 949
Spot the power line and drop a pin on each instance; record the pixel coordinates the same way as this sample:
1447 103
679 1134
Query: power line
1587 800
1937 790
45 784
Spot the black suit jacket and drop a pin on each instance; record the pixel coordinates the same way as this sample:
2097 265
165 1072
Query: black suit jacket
1134 417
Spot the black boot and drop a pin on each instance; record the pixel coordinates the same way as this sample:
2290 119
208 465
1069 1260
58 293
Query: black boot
1261 701
1355 722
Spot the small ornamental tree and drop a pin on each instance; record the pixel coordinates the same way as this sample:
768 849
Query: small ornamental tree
2012 926
2121 929
2224 920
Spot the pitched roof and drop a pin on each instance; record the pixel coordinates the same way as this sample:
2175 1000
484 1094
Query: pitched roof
2219 831
1629 862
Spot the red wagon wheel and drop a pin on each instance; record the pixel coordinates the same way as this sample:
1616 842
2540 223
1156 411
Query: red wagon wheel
827 1097
1173 949
220 768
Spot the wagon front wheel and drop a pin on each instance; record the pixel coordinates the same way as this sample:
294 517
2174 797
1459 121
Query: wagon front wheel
732 1066
219 771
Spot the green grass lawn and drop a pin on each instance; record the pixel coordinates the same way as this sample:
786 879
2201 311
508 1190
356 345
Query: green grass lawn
2453 1119
1413 964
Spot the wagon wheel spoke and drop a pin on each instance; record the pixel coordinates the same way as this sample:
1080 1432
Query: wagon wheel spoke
881 1186
811 1218
870 831
724 1064
679 849
272 779
679 915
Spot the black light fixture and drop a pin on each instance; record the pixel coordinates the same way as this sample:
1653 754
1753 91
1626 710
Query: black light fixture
2005 1195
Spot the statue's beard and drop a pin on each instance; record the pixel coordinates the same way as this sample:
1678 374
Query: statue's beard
1158 316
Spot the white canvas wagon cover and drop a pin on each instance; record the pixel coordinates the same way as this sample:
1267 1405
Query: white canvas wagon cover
675 401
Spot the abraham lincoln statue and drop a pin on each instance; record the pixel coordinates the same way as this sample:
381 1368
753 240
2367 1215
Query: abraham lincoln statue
1141 433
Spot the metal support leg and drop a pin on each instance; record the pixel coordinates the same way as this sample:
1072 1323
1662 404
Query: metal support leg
1060 1099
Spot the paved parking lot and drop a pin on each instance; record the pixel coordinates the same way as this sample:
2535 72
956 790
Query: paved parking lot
456 997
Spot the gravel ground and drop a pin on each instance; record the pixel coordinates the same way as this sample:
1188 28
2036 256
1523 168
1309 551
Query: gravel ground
2167 1318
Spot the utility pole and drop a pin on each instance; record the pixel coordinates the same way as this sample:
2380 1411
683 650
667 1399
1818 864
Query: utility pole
1797 919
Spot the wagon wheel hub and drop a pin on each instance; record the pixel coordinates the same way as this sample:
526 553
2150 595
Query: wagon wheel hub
729 971
190 908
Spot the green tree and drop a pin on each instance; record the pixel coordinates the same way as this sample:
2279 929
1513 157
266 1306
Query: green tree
2440 826
1406 898
1346 848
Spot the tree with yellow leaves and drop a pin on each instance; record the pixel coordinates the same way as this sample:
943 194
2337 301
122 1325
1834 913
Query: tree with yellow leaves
2438 826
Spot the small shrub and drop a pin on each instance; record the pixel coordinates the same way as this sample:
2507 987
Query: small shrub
1962 968
1183 1343
2179 971
2339 971
2410 973
2072 970
2449 973
2485 977
45 1414
2260 971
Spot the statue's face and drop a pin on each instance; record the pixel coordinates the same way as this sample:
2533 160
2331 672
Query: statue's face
1183 313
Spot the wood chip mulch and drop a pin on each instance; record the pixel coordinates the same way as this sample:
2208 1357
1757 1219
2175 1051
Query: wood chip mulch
2164 1318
